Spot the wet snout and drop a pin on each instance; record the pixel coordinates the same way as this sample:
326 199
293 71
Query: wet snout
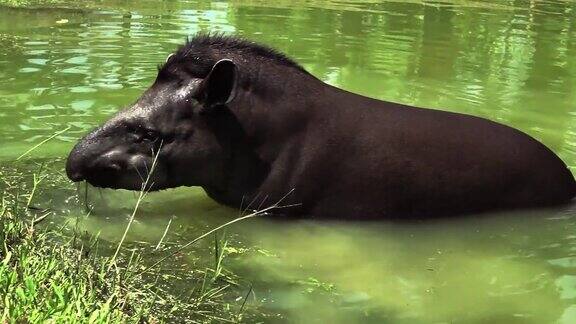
113 168
81 166
76 164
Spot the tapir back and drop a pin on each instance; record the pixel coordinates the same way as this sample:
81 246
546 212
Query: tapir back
376 159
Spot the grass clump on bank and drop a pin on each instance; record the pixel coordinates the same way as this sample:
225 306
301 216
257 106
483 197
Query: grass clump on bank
42 279
48 275
50 272
30 3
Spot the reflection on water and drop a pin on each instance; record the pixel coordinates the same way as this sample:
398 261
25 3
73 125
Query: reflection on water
511 62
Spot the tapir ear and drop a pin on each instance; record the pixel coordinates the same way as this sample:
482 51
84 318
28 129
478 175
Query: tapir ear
219 87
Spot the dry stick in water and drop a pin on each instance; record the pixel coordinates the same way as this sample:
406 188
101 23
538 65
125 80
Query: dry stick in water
163 235
41 143
38 220
36 182
254 214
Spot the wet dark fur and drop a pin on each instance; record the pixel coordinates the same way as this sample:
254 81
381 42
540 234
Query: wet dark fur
271 128
199 54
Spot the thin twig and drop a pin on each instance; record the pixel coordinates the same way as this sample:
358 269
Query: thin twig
37 221
247 208
201 237
254 214
141 196
163 235
245 300
41 143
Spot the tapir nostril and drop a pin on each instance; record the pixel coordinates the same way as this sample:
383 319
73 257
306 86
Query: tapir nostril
112 161
75 176
74 171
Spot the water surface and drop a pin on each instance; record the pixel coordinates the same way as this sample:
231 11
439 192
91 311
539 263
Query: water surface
509 61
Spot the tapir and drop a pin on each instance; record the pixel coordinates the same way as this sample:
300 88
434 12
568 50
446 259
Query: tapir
246 123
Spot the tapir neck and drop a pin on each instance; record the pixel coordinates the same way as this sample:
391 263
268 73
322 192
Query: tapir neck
272 119
272 112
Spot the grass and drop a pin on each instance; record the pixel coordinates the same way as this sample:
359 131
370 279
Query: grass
51 272
31 3
43 281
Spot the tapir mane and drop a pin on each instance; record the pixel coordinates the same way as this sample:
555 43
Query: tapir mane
202 51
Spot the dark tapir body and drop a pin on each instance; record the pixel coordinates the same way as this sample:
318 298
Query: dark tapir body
243 121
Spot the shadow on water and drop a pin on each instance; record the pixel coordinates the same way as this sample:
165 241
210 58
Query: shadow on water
511 62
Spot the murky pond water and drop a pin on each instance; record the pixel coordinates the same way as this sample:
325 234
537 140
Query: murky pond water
510 61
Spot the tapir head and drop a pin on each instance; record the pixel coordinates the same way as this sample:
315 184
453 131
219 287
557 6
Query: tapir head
171 126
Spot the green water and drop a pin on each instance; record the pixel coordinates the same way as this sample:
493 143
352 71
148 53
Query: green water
510 61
